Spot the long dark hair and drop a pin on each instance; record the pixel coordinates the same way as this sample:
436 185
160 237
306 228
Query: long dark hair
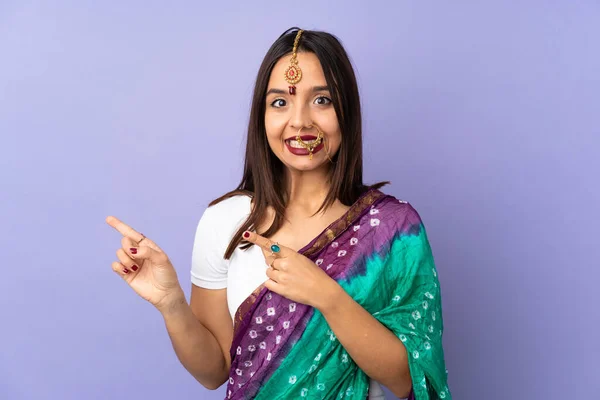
264 173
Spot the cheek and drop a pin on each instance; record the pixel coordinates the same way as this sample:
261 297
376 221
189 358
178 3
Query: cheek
329 124
334 135
274 127
334 143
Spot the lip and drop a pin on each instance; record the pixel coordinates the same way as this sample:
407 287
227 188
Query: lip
303 137
303 152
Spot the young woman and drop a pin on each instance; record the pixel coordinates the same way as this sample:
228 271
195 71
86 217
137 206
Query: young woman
306 282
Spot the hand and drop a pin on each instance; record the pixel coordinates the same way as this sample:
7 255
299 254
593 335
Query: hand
145 267
294 276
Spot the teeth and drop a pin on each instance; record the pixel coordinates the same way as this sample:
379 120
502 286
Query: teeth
295 144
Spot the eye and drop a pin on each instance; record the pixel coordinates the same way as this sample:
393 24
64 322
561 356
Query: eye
322 101
278 103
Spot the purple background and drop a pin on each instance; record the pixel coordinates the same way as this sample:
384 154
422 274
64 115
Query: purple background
484 116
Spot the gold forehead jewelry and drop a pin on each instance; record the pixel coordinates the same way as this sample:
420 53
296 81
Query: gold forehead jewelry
310 146
293 73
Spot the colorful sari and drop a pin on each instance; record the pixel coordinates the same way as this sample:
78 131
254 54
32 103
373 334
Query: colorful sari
379 253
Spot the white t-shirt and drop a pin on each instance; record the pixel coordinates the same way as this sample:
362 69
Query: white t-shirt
244 271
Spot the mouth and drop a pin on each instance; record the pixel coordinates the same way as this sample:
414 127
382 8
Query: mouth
295 148
307 139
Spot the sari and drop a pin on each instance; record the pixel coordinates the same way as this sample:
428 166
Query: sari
378 252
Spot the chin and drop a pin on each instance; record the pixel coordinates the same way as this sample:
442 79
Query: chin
305 165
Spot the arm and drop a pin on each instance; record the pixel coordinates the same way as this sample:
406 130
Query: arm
201 334
374 348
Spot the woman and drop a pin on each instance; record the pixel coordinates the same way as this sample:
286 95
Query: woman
306 282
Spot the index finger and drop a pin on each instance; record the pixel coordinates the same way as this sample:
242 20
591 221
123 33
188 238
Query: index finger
264 243
123 228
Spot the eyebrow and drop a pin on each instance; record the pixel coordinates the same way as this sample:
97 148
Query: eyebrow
314 89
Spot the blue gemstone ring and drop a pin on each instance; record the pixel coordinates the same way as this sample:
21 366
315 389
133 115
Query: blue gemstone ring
275 248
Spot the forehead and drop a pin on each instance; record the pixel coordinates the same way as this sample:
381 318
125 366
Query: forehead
312 72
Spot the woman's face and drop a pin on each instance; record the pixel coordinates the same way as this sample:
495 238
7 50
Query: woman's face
311 105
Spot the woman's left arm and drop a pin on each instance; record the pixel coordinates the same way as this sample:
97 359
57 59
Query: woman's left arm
373 347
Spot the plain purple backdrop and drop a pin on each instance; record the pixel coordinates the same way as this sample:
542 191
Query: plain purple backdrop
485 116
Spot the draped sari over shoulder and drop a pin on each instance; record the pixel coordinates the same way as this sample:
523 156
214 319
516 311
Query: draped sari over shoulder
380 255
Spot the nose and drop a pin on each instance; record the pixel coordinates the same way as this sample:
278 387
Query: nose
300 116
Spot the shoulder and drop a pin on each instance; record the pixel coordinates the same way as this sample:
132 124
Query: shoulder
397 212
214 231
224 217
232 207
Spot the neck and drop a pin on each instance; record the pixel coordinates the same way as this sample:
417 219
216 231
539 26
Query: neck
307 189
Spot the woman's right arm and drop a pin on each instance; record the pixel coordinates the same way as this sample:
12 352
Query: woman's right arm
201 334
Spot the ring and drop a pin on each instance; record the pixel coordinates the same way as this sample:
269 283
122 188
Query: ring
275 248
143 237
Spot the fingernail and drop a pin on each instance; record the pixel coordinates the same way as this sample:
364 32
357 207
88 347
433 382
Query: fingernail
134 267
133 250
125 270
246 234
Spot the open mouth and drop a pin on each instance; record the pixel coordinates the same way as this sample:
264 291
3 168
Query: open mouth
297 149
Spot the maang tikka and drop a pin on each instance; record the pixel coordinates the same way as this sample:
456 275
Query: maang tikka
293 73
